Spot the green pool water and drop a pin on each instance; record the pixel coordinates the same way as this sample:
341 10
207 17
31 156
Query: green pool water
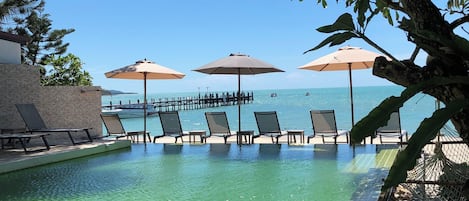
209 172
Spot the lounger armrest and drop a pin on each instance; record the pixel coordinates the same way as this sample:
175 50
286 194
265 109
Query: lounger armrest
343 132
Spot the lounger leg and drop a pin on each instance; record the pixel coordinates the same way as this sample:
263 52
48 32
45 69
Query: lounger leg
45 142
89 136
23 145
71 138
149 137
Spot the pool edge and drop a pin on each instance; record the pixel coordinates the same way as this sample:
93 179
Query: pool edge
79 151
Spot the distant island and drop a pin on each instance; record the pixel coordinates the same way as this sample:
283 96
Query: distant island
110 92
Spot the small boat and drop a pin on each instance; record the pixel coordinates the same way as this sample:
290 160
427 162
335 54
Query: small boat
273 95
130 110
307 94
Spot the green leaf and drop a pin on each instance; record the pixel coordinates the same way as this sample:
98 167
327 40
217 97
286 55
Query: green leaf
323 2
335 39
361 7
342 37
343 23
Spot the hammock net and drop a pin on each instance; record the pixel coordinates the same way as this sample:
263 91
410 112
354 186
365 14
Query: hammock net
440 172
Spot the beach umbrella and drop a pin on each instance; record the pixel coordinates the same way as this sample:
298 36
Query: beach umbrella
144 70
346 58
238 64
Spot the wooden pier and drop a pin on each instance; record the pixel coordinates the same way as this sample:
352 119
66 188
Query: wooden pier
207 100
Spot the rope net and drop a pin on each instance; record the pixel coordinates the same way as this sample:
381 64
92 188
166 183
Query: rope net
440 173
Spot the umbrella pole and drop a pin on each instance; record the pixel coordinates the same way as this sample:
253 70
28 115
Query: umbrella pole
351 92
239 107
144 107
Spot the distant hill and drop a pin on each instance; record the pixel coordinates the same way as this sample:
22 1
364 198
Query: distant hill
115 92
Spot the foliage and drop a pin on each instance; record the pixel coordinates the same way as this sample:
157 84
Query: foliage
444 77
9 8
27 18
44 40
66 71
427 130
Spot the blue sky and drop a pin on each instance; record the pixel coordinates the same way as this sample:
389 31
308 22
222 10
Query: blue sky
184 35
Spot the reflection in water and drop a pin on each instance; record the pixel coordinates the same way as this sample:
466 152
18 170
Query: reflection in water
220 149
172 148
325 151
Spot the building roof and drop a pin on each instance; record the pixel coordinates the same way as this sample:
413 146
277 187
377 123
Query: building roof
13 38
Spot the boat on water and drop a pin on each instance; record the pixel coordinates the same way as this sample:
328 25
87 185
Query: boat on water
130 110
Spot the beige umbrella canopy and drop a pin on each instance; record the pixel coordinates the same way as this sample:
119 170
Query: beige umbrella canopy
238 64
144 70
346 58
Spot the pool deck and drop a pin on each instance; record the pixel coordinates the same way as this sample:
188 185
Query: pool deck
12 159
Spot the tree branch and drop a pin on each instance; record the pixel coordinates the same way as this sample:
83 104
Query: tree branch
404 75
459 21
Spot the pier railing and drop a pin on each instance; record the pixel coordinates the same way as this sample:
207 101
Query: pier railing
200 101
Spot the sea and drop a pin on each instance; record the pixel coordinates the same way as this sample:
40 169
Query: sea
292 107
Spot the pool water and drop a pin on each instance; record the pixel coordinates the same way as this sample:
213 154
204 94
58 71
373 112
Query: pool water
209 172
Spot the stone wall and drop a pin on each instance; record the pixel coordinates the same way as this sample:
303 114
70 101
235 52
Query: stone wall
59 106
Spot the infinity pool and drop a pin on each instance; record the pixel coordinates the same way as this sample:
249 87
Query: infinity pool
209 172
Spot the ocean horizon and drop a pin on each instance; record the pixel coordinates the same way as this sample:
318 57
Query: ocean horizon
292 107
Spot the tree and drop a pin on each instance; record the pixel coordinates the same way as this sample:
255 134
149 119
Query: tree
444 76
27 18
66 71
44 41
9 8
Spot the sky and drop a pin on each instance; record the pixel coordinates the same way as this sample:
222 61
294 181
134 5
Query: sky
184 35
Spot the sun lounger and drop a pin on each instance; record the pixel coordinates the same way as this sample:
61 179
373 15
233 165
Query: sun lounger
115 128
171 125
392 128
268 125
24 139
324 125
35 124
218 125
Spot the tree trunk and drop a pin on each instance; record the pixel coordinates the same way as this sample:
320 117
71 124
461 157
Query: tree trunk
432 34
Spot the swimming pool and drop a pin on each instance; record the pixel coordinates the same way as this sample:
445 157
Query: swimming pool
209 172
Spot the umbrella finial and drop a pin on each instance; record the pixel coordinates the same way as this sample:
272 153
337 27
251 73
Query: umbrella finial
238 54
143 61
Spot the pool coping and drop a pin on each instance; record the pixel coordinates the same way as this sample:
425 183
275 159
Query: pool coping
21 161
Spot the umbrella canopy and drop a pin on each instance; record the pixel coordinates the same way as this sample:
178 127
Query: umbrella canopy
138 70
346 58
238 64
144 70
